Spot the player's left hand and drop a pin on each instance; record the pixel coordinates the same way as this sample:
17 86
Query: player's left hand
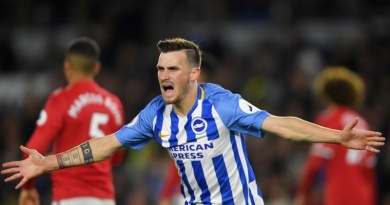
361 139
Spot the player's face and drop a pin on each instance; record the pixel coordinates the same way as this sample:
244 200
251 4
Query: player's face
173 73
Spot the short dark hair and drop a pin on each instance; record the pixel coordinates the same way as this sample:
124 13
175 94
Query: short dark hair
341 86
194 54
83 53
84 46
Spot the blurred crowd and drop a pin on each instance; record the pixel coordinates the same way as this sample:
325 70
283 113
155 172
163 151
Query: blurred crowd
268 51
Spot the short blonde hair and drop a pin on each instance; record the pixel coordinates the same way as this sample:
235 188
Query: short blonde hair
341 86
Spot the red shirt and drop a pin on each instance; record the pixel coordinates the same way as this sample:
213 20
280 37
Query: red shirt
71 116
172 182
349 174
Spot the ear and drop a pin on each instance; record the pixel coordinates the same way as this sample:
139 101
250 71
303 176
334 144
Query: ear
195 74
66 66
96 69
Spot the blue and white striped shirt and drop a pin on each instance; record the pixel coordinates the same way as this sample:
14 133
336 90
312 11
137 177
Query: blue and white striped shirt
207 145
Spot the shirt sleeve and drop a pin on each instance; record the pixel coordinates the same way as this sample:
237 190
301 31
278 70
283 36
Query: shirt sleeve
139 131
119 156
239 115
312 168
48 125
47 128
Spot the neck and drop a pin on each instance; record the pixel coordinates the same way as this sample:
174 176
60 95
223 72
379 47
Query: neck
76 79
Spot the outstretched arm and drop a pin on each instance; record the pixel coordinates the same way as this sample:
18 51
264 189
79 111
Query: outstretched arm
300 130
95 150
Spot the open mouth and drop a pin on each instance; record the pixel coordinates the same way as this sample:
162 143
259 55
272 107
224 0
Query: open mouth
167 87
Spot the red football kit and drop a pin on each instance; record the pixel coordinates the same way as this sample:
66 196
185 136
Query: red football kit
172 182
71 116
349 174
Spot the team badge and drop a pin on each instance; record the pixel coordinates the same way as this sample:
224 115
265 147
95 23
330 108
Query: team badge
198 125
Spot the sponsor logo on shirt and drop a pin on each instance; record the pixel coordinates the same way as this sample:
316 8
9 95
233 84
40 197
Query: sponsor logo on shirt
247 107
42 118
161 135
192 151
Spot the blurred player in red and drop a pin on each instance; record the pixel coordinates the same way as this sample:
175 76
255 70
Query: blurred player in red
78 112
171 194
349 174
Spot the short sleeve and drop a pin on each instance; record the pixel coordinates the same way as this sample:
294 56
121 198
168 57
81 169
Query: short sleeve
49 124
139 131
238 114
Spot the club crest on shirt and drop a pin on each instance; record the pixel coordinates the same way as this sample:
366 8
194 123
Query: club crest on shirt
133 121
198 125
247 107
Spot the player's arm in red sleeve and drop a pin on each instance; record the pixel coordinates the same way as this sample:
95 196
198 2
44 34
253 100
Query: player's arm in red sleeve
311 169
172 180
47 128
119 156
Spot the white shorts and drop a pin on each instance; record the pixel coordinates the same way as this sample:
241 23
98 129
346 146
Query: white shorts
178 199
84 201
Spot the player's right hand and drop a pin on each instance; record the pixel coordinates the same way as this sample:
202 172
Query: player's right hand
28 168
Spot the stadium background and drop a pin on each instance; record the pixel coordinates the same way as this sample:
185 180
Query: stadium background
269 51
